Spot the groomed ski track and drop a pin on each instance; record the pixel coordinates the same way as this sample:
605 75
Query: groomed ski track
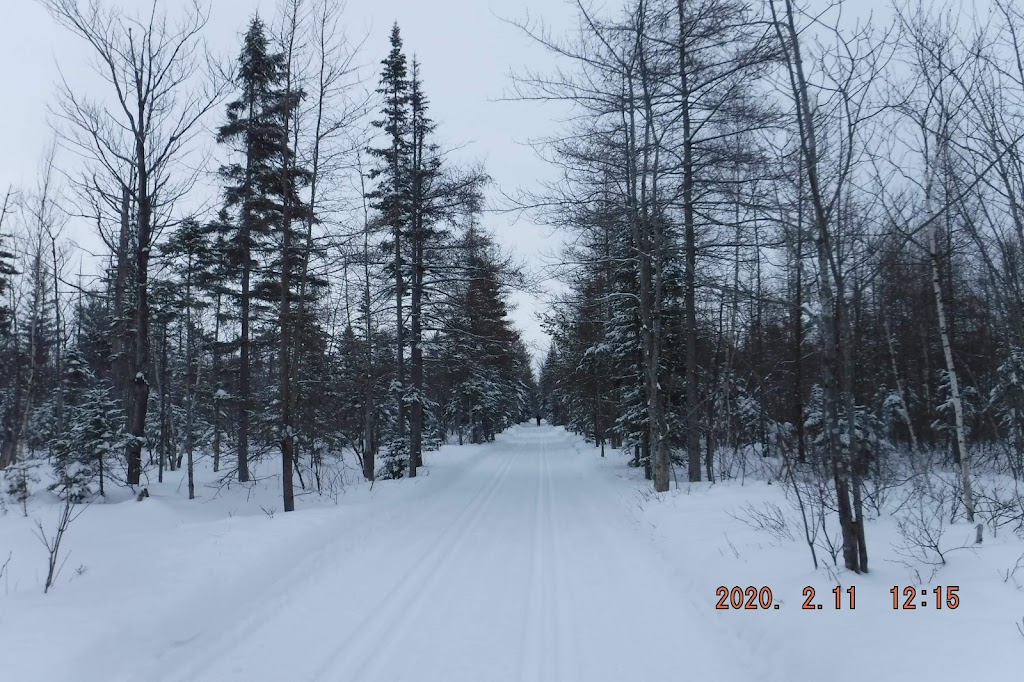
519 560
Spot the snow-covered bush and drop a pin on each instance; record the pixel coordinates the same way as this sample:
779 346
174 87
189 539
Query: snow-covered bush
19 479
394 460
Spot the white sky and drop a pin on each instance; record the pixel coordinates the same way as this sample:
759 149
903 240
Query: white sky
466 51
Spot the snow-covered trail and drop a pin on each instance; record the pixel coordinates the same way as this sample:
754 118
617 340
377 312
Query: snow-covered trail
518 563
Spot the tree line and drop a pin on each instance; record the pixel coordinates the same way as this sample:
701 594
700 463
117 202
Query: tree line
794 235
337 296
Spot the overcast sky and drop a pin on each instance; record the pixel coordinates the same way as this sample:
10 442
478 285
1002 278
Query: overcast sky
466 52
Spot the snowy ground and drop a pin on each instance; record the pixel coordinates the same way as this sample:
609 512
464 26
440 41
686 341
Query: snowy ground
529 559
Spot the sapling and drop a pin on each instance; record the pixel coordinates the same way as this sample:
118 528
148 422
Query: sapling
68 513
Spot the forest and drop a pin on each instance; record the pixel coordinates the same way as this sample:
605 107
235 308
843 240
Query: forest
341 297
783 320
799 235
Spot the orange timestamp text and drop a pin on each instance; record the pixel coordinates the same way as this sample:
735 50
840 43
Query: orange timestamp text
754 598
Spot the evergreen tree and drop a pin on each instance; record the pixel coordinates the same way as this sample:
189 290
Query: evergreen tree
86 452
418 201
423 234
391 198
262 188
491 381
186 249
214 278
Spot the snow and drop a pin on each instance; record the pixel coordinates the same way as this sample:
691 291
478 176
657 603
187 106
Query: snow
977 641
528 559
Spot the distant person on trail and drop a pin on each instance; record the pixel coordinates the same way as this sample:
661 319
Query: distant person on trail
538 420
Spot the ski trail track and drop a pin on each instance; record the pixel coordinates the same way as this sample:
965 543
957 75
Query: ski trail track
520 563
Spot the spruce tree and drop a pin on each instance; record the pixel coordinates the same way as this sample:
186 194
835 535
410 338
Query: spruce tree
85 451
487 362
427 199
215 272
186 249
263 190
391 199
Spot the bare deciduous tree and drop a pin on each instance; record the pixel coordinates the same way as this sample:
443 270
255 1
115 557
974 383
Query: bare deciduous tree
134 138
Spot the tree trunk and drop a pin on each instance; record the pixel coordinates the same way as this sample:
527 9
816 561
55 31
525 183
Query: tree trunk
954 383
243 366
370 446
59 354
797 313
416 362
244 369
369 429
163 440
690 293
140 385
287 428
217 390
190 387
285 321
904 408
828 298
416 246
649 254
